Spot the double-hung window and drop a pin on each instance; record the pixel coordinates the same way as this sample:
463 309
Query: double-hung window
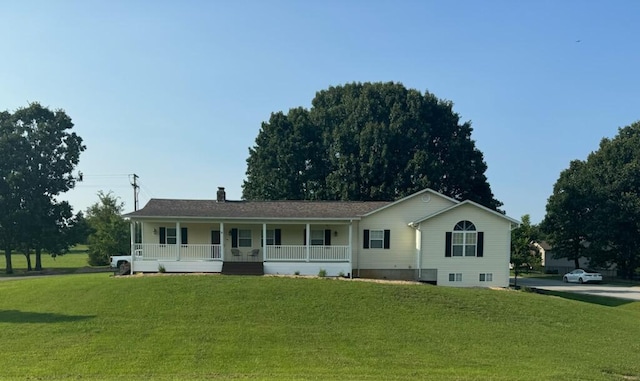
376 239
317 237
244 238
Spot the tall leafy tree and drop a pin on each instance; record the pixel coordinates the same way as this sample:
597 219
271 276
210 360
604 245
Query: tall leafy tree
288 161
524 254
41 153
367 141
615 174
12 148
595 208
110 233
570 213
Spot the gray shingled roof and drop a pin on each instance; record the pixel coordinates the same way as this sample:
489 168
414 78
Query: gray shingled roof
257 209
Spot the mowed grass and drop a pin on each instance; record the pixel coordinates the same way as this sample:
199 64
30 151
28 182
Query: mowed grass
203 327
70 262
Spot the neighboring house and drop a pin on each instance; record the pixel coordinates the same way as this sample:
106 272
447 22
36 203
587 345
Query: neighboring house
425 236
563 265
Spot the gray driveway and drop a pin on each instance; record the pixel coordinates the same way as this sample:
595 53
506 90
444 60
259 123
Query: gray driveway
621 292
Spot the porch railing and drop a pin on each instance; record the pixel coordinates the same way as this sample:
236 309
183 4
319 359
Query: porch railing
282 253
298 253
148 251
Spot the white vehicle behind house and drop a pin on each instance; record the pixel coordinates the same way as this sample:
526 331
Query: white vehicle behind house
582 276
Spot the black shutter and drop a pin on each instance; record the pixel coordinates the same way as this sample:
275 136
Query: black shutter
234 237
277 239
387 238
480 247
304 236
163 236
327 237
365 239
183 236
447 245
215 237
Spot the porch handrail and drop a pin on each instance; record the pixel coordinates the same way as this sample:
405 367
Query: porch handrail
190 252
298 253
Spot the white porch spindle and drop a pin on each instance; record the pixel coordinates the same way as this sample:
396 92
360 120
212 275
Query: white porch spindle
308 240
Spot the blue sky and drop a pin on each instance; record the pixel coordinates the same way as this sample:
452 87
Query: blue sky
175 91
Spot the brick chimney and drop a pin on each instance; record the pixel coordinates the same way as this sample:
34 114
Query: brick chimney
221 195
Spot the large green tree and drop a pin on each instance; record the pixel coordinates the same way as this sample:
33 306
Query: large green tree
110 233
39 153
570 212
367 141
524 255
595 208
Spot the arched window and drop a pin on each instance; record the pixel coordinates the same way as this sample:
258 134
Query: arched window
464 239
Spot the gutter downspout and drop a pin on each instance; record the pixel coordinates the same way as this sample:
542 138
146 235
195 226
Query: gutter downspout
418 248
419 233
358 247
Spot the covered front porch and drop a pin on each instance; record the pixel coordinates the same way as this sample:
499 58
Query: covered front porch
203 246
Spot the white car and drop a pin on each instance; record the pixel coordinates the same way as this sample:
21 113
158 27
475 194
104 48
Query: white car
582 276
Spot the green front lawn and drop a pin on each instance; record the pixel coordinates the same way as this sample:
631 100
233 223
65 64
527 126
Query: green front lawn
75 260
203 327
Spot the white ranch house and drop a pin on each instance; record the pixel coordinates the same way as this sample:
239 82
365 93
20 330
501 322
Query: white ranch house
426 236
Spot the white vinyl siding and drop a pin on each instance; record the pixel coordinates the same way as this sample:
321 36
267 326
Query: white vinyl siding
402 251
496 248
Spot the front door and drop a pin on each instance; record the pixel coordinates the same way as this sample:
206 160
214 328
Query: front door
215 244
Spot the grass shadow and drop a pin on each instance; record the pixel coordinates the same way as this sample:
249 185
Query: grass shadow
15 316
594 299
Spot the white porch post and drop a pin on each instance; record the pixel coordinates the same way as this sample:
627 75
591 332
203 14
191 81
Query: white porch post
264 241
141 233
178 240
308 239
133 247
222 241
350 249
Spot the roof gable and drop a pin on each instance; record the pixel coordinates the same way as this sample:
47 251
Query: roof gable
419 193
466 202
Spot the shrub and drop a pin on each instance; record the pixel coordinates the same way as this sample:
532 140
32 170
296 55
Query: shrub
322 273
162 269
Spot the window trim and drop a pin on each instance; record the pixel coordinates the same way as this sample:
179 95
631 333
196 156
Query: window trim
455 277
485 277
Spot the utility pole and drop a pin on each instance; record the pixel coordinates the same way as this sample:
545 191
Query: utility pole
136 188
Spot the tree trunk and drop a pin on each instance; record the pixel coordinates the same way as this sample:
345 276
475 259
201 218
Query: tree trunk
28 256
38 259
7 256
576 262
